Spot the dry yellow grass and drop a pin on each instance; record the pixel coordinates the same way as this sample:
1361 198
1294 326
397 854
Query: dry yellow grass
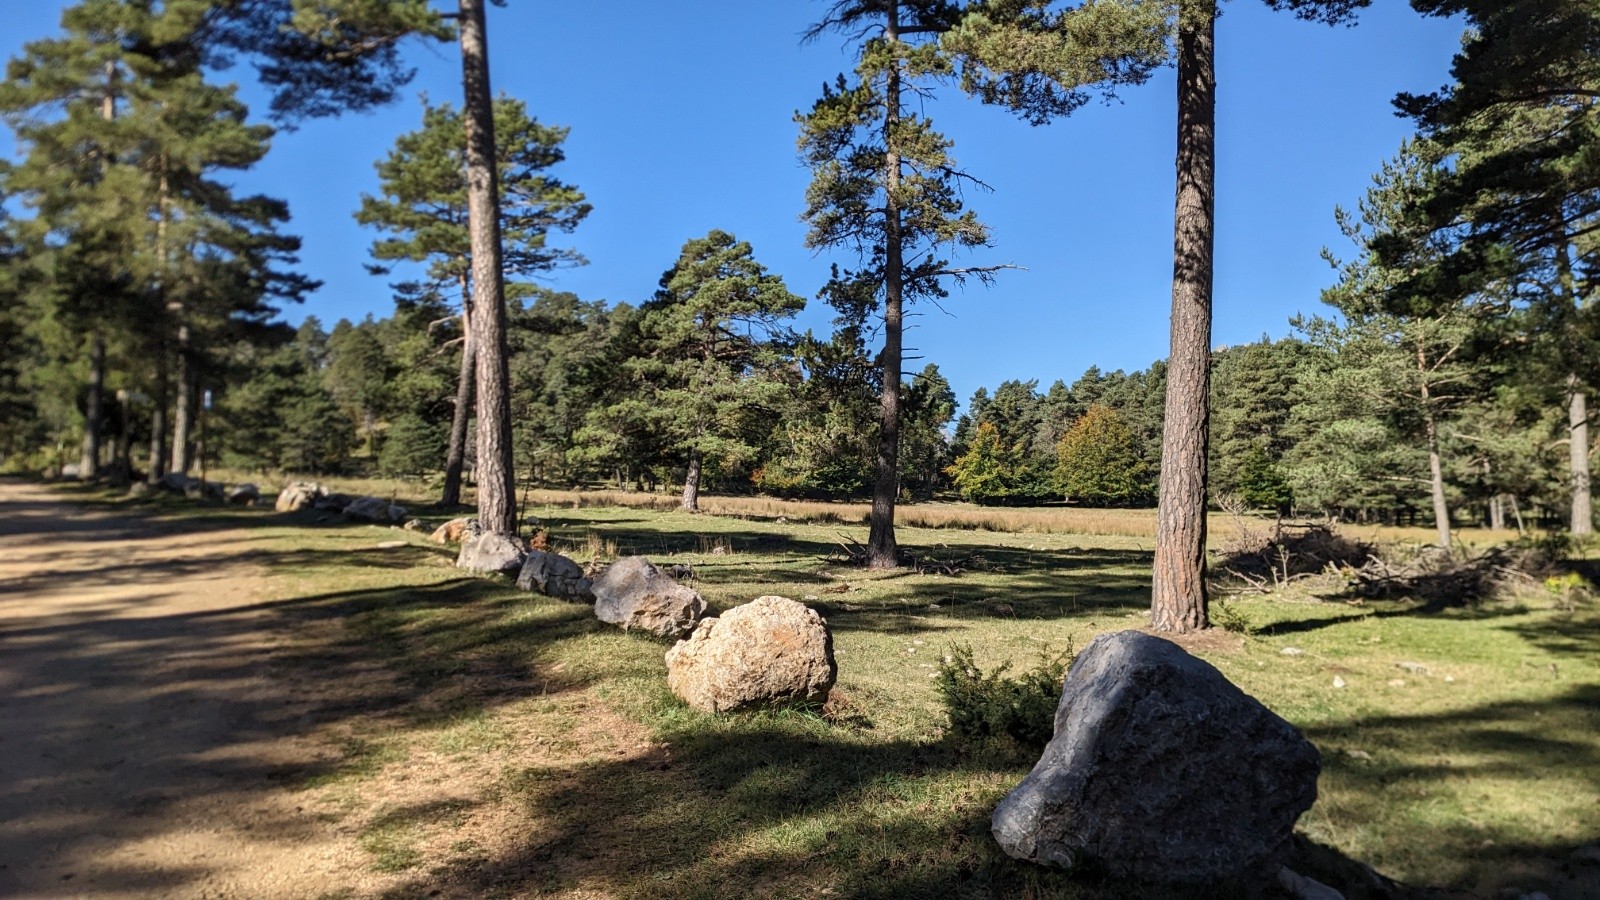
1136 523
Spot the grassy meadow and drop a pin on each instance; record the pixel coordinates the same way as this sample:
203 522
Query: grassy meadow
489 742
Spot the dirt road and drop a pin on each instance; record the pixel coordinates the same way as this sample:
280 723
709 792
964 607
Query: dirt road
145 742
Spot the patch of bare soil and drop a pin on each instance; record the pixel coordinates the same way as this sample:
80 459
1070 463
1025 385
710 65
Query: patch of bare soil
161 736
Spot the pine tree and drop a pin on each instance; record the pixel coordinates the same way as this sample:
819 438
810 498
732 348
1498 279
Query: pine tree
423 207
712 335
1521 123
1041 63
884 187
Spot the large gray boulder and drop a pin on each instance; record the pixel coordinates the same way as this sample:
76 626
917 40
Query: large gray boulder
770 651
243 493
298 495
556 576
1161 770
633 593
179 483
375 509
486 552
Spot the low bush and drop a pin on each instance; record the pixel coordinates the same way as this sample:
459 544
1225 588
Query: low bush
985 705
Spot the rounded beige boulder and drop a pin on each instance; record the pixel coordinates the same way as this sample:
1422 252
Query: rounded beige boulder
770 651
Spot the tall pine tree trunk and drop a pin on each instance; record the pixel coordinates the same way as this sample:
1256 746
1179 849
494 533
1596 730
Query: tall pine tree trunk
1178 601
89 459
691 482
158 425
122 454
1578 458
882 550
1430 428
1577 400
455 461
496 477
183 409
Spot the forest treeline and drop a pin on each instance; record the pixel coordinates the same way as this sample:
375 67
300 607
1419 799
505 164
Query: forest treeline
1446 378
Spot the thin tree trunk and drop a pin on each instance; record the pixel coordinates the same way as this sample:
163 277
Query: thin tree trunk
1577 401
1178 600
1497 512
89 459
122 454
1441 509
496 476
1516 512
1578 458
158 425
691 482
455 460
882 550
183 407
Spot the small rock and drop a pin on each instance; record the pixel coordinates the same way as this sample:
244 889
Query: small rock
554 575
452 532
139 489
1291 651
491 553
1397 682
633 593
1449 679
1303 888
374 509
1414 668
415 525
243 493
769 651
1362 755
812 598
1338 682
298 495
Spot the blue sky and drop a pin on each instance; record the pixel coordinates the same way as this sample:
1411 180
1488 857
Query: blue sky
683 122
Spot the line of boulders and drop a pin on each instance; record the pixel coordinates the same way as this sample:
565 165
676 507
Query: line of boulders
297 496
183 485
771 651
1160 770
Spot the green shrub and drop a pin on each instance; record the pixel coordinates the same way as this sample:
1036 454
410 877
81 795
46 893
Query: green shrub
991 705
1226 617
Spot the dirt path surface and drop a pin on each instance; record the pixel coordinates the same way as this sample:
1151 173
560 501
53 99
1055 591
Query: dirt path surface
144 738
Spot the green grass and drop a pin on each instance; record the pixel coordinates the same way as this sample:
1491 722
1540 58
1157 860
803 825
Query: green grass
1479 774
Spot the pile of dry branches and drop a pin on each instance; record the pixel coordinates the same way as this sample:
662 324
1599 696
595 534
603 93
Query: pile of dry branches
1265 561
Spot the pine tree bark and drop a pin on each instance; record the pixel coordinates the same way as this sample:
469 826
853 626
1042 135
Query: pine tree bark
1178 601
882 550
122 451
183 408
1430 428
158 426
455 461
89 459
691 482
1582 522
1578 458
496 475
